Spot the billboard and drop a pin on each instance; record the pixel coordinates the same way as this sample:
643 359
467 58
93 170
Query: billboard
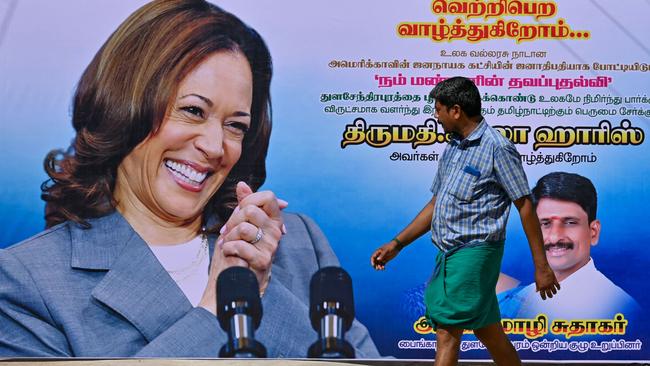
355 145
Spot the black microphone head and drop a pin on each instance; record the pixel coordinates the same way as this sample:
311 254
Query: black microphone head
238 285
331 285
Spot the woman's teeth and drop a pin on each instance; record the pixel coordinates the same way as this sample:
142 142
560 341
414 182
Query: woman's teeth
185 172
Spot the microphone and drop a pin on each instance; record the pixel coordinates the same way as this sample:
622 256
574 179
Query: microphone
331 309
239 310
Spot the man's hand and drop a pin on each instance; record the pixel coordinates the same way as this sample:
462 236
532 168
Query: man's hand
420 225
545 282
383 255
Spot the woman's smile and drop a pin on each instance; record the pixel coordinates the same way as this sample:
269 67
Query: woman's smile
187 175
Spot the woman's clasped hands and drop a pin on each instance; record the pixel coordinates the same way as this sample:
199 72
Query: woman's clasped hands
248 239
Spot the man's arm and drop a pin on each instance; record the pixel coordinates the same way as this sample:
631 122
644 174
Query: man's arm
545 280
420 225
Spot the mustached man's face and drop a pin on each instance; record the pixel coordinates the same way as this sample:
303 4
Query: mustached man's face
568 235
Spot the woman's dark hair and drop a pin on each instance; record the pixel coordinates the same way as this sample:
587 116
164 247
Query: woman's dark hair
124 95
459 91
568 187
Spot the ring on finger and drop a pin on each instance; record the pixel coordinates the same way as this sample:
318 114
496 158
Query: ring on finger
258 236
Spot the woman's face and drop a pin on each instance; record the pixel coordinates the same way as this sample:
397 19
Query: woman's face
173 173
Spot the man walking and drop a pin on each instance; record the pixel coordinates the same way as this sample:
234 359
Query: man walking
479 176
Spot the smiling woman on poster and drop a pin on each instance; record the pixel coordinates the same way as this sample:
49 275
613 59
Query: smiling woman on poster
157 196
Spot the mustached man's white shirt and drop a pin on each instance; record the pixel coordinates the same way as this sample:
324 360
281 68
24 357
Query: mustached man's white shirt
585 294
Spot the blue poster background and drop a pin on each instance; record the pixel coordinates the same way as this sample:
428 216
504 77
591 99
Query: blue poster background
359 195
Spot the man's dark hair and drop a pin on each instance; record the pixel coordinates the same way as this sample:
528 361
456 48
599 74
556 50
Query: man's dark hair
567 187
458 90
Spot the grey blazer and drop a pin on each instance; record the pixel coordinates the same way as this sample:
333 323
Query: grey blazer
100 292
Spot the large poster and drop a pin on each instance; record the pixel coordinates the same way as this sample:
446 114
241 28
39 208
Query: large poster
355 144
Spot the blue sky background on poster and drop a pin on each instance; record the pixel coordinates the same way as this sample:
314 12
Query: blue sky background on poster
358 194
